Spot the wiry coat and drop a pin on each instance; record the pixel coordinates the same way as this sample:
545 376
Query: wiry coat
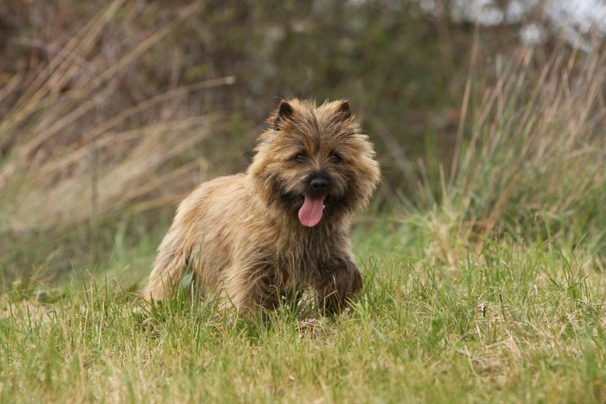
240 235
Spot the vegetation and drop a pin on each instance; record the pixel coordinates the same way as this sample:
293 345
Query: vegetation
483 255
516 322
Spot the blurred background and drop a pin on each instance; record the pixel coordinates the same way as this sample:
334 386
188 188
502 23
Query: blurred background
112 111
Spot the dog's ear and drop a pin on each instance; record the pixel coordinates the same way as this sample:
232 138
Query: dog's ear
285 111
344 110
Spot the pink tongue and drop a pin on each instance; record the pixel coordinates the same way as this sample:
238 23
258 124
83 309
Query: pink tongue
310 213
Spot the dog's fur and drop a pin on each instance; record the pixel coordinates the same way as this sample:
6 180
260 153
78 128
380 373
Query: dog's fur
252 239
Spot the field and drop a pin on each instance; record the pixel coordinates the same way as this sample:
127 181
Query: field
484 255
511 322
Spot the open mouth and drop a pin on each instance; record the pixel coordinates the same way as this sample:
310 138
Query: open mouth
312 209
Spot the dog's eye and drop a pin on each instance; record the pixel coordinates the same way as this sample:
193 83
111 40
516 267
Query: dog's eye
336 158
298 157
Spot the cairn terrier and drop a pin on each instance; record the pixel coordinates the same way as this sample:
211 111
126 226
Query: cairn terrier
255 239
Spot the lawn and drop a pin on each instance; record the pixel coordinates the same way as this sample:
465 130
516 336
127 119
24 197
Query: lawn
510 322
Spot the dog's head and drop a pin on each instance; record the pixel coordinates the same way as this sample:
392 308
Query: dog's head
314 162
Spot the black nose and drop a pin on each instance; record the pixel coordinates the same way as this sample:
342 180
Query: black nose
319 184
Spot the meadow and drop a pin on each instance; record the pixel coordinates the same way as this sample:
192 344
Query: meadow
484 275
512 322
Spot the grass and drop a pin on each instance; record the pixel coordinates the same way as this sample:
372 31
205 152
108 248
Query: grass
485 284
514 322
97 157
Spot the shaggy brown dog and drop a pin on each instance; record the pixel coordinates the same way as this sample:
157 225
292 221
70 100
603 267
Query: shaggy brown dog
253 239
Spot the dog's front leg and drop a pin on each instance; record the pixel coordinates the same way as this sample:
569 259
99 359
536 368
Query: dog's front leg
337 285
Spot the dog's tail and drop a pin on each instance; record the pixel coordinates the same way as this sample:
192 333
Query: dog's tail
171 267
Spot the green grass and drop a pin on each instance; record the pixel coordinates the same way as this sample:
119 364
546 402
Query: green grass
512 322
486 283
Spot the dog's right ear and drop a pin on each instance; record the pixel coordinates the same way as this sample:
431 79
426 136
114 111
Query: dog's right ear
285 111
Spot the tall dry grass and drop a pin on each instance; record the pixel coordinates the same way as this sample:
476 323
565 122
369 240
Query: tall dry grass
530 159
77 154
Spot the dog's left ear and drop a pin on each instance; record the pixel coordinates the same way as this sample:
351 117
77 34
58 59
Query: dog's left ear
344 110
285 111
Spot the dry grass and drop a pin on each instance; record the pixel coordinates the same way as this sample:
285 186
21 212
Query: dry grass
72 141
77 152
536 146
532 163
